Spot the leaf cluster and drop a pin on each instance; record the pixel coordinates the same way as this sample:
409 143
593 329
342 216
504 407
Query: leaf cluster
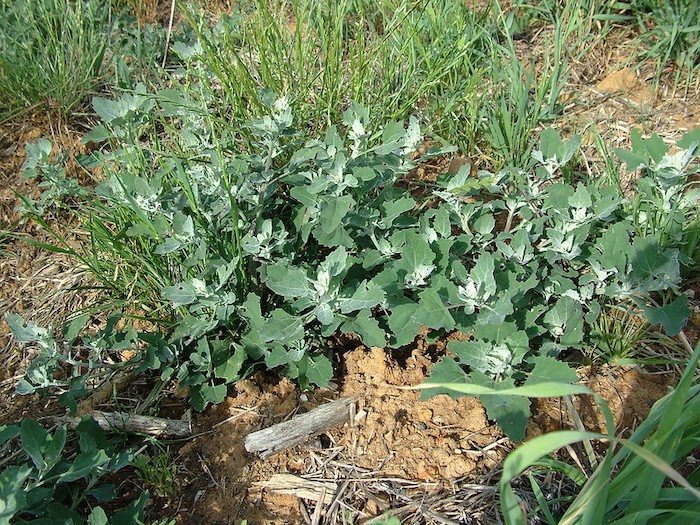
48 484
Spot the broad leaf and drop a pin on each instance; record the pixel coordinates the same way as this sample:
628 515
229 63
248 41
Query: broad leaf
482 273
367 328
672 317
333 212
510 412
417 259
432 311
404 323
35 441
288 281
550 370
84 464
367 295
565 321
445 371
282 328
97 517
180 294
202 395
8 432
24 332
319 369
12 496
393 209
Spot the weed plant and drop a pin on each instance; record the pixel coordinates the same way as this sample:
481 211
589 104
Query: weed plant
263 253
46 482
636 481
53 53
670 31
395 58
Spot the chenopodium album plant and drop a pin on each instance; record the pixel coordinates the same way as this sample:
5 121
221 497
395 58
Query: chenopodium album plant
272 250
48 483
222 221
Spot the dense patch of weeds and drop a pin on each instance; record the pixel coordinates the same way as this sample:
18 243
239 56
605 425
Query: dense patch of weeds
46 482
268 251
53 53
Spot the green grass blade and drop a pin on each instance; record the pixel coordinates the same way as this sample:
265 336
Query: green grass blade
545 389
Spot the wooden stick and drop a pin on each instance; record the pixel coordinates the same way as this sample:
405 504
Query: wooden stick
320 491
300 428
135 424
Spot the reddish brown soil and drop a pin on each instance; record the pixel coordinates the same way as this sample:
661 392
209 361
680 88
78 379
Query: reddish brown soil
441 443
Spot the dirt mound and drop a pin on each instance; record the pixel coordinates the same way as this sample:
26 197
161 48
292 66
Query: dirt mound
435 446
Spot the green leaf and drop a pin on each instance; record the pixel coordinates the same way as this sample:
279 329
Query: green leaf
485 224
75 328
35 440
528 453
324 314
672 316
180 294
336 262
104 492
404 323
97 134
432 311
12 496
367 328
550 143
319 369
84 464
445 372
279 356
615 247
511 412
565 321
581 197
282 328
442 223
653 268
132 514
288 281
24 332
482 274
690 139
231 367
202 395
97 517
52 453
655 146
8 432
367 295
416 259
334 210
496 313
393 209
550 370
474 354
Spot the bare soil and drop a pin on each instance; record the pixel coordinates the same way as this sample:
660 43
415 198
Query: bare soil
439 444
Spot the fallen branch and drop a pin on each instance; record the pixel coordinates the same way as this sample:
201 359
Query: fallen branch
135 424
105 391
300 428
320 491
